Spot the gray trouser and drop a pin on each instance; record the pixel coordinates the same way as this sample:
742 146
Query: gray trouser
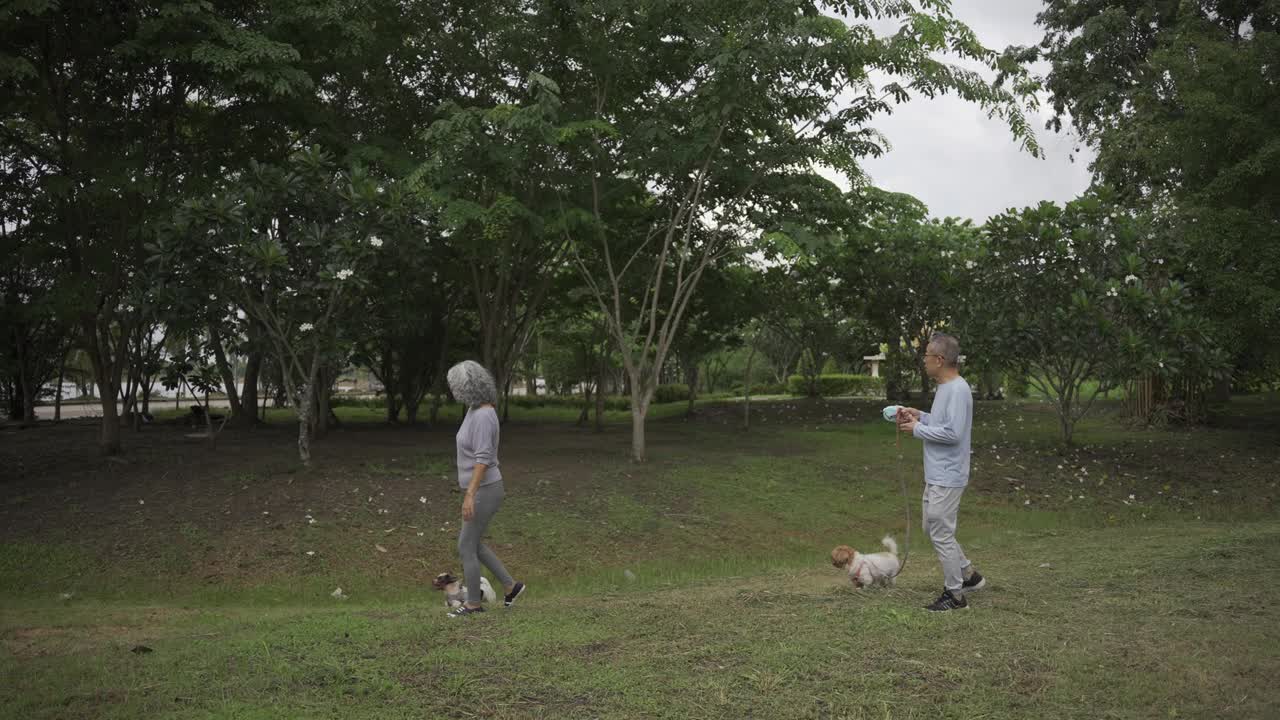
472 550
941 505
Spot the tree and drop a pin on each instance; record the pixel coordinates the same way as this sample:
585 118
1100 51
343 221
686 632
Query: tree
296 242
713 323
491 172
700 127
1080 298
102 108
801 312
1180 103
900 269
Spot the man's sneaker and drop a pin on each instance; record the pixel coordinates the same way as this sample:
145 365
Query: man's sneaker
975 582
947 601
463 610
516 591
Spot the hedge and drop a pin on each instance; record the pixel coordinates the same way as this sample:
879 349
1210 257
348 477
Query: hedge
671 393
762 389
835 385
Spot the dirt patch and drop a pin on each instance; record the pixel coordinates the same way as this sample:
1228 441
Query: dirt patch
25 643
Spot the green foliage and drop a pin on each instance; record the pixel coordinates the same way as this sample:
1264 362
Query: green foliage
1179 100
836 385
671 393
1070 294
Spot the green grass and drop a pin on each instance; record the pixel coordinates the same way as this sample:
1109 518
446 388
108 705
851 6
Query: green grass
697 586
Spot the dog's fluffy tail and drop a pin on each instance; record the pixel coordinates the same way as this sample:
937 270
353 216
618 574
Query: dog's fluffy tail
889 544
487 591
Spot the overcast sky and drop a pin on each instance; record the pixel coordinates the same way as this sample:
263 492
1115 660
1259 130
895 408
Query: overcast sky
949 155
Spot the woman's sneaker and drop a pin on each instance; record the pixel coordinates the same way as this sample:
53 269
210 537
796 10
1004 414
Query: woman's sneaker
463 610
947 601
975 582
516 591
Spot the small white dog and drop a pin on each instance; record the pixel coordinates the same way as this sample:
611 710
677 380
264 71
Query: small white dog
455 593
874 569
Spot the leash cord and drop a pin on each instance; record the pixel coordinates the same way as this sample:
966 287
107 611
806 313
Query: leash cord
906 501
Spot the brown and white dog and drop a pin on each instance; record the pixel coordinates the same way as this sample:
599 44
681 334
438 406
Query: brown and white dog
874 569
455 593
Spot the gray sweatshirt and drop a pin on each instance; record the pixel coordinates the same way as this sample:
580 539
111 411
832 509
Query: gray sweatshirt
478 444
945 431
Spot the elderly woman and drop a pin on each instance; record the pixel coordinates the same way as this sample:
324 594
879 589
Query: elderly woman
480 479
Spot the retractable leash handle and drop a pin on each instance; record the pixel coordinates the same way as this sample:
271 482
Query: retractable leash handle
891 413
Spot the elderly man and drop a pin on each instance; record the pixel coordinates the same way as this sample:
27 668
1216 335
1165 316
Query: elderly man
945 431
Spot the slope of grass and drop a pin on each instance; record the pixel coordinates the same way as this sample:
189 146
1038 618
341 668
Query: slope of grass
1129 578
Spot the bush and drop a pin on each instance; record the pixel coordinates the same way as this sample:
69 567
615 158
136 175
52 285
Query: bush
836 385
762 389
671 393
611 402
337 401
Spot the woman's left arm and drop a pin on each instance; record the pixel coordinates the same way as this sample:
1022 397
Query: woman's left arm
469 500
484 446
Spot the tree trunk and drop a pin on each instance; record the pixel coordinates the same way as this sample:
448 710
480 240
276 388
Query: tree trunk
1220 394
109 439
531 385
691 377
145 388
57 398
600 378
746 404
411 406
225 370
304 403
393 407
586 407
106 373
28 403
249 391
638 412
322 392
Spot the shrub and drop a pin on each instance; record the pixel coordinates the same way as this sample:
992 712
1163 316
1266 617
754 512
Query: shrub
762 389
671 393
611 402
836 385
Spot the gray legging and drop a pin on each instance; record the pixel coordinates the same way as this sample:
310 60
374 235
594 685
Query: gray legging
472 550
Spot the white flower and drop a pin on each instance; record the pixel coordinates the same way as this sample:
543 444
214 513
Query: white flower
128 308
1159 261
423 499
344 274
306 327
375 241
213 297
311 553
1131 497
969 264
1161 363
1130 279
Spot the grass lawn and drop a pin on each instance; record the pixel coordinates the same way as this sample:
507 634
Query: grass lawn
1133 577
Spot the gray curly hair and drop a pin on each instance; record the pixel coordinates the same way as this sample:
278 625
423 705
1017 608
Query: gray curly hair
471 384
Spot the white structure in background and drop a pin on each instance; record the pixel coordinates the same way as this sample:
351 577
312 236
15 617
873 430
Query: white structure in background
874 361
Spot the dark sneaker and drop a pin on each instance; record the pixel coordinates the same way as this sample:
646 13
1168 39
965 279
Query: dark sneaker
947 601
515 593
462 610
975 582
